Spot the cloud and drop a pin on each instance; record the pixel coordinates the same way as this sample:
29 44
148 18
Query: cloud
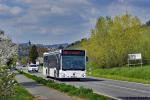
58 10
116 9
121 1
58 31
4 9
122 6
16 10
76 1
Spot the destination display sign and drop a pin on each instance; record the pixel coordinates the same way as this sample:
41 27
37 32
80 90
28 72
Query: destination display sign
73 52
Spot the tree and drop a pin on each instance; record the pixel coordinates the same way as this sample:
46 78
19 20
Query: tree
7 82
41 50
24 60
60 47
33 54
7 49
113 39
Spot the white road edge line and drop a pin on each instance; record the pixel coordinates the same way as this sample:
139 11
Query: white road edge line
107 95
103 94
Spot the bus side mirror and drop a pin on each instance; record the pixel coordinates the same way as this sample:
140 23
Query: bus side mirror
87 59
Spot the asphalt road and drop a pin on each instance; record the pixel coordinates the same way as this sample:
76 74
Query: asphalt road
112 88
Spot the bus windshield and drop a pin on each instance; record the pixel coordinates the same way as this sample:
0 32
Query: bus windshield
73 62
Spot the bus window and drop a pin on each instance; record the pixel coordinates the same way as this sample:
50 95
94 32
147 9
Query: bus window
73 62
52 61
46 61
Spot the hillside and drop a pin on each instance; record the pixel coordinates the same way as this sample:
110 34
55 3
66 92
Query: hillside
23 48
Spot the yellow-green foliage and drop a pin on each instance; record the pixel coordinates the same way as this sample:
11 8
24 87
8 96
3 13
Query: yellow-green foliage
113 39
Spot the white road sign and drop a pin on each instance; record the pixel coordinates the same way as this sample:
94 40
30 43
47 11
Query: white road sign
135 56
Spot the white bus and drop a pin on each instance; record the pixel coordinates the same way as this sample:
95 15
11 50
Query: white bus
65 64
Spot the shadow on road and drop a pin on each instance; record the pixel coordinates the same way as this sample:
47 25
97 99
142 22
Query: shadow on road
134 98
80 80
30 84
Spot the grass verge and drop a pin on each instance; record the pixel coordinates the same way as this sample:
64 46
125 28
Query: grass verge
22 94
131 74
81 92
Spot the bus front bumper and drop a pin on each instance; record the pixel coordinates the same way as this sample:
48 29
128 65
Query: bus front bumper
72 74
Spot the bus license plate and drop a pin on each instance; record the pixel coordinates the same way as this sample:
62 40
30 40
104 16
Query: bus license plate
73 77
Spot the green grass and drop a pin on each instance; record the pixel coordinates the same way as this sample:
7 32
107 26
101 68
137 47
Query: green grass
81 92
133 74
20 94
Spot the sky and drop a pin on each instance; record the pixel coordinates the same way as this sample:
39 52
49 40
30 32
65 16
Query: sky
62 21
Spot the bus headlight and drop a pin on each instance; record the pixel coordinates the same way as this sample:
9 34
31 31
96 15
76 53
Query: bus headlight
83 75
